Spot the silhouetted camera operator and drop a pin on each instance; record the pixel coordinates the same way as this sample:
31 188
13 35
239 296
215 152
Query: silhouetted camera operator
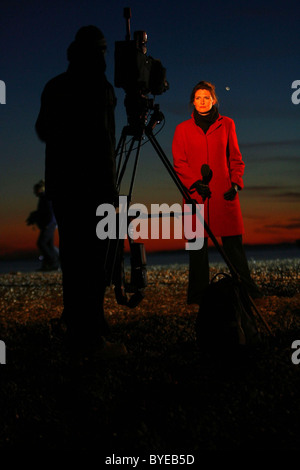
76 121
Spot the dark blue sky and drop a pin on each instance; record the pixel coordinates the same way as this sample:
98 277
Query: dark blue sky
251 47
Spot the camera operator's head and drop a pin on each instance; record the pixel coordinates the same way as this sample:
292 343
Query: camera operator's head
88 48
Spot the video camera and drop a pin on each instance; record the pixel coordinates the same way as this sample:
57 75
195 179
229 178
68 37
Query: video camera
136 72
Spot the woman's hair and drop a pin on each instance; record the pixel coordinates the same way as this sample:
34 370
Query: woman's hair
204 86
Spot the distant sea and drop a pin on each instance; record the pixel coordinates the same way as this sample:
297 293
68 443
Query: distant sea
167 258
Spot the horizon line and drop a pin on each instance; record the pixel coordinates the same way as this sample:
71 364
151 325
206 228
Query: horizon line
29 253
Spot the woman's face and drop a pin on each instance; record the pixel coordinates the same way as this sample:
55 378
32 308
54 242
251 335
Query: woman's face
203 101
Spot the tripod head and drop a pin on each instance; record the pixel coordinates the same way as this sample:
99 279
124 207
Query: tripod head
138 109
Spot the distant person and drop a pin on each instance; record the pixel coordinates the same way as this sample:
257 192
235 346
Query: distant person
76 121
44 218
210 138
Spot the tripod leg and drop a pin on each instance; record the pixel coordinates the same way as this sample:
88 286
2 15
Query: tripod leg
121 144
134 169
122 171
111 259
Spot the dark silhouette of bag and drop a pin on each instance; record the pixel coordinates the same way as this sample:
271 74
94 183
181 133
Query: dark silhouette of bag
225 321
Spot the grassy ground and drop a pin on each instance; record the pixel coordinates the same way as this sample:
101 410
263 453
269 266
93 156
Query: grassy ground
164 396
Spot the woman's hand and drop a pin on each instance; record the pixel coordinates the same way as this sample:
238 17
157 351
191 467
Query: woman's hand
201 189
231 193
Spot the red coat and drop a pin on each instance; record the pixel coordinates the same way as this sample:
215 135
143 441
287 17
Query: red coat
219 149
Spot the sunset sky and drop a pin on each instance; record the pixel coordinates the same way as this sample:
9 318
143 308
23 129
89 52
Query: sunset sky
249 50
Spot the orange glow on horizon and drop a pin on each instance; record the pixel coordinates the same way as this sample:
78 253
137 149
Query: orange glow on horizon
23 241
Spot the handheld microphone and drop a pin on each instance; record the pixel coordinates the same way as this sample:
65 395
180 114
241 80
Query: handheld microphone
206 173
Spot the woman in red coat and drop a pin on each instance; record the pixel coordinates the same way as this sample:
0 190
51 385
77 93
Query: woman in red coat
209 138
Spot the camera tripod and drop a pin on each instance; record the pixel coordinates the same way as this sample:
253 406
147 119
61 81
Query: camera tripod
137 129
